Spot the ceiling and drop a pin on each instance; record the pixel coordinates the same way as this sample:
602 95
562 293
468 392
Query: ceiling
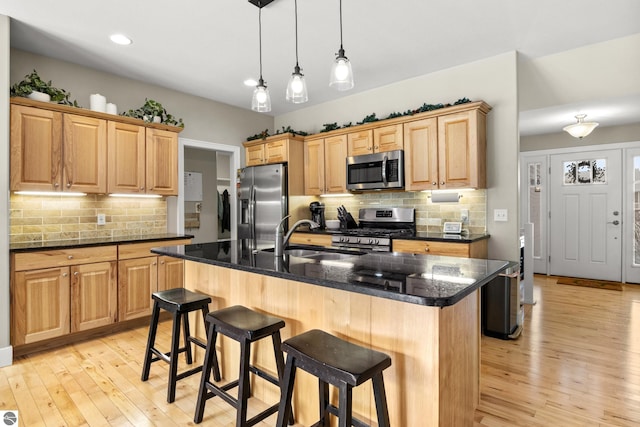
208 48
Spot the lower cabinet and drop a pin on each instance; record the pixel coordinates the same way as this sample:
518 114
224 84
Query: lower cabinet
62 291
477 249
310 239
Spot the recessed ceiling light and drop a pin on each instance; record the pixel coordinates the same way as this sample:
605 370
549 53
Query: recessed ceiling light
120 39
250 83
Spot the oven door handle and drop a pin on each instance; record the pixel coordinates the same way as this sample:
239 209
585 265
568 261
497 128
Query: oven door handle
384 170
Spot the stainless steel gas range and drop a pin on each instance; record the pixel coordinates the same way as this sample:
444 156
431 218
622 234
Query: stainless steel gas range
376 228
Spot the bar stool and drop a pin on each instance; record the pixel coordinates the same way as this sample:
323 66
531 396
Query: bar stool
179 302
337 362
245 326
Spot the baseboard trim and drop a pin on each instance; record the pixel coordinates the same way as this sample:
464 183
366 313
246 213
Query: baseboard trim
6 356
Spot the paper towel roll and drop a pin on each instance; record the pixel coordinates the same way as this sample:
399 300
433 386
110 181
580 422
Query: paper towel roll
437 197
112 108
98 102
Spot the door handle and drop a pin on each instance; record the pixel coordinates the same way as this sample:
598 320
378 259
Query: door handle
614 222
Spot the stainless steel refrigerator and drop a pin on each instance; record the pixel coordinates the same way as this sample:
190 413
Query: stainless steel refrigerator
262 201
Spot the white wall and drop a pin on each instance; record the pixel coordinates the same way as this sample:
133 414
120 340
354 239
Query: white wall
493 80
203 161
6 353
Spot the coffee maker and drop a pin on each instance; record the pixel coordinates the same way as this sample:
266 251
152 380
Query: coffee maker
317 214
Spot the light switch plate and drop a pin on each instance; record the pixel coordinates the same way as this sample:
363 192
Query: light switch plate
464 216
500 215
101 219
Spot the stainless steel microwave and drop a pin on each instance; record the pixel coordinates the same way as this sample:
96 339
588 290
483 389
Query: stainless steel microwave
378 171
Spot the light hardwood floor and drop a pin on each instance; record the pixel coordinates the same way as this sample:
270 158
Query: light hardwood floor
576 364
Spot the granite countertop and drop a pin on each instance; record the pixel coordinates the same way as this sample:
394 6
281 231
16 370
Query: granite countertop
422 235
79 243
418 279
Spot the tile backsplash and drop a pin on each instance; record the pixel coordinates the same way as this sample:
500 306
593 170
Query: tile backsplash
39 218
429 215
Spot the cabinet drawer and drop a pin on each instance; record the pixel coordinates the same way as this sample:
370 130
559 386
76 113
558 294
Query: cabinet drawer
310 239
431 248
64 257
140 250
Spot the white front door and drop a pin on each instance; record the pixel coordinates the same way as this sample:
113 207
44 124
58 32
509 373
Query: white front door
585 215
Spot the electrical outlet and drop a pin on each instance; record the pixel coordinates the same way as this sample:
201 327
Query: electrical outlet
102 219
198 207
464 216
500 215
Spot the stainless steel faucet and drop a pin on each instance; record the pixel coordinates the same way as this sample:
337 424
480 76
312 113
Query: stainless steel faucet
281 241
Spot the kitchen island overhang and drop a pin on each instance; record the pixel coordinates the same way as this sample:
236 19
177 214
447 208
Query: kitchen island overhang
432 333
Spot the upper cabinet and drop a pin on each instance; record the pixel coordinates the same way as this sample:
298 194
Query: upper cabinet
61 148
447 151
325 165
376 140
282 148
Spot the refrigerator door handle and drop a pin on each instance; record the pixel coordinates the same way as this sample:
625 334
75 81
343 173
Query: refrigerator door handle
252 213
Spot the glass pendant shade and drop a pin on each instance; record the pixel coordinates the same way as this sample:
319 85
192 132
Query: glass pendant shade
261 101
582 128
341 74
297 87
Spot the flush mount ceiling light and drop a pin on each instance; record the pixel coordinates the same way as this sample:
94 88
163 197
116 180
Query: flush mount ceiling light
120 39
341 72
582 128
261 100
297 87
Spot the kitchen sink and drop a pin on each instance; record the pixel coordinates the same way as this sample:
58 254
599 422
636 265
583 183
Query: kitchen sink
318 253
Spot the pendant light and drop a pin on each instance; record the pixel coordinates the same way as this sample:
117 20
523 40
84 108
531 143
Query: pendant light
582 128
341 72
297 87
261 101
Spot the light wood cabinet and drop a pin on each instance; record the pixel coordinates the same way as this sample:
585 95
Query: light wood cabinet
310 239
477 249
52 151
282 148
141 273
325 165
94 295
54 292
462 150
162 162
40 306
376 140
421 154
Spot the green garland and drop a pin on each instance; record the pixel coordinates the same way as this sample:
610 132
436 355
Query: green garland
328 127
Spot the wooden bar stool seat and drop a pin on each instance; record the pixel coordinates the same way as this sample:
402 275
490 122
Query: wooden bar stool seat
245 326
179 302
339 363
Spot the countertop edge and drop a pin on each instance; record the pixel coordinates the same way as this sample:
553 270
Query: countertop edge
67 244
421 235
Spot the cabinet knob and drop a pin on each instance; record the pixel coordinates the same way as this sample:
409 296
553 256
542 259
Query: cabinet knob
70 257
154 263
55 184
434 183
426 249
442 183
377 147
64 274
141 188
68 185
162 262
75 273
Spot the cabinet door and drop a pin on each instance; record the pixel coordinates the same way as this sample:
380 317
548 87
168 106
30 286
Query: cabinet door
314 167
311 239
40 305
431 248
85 154
170 273
335 154
359 143
276 151
255 155
421 154
137 280
162 162
126 153
36 149
387 138
461 151
94 298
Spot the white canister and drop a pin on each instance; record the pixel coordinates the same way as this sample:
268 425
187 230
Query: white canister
98 102
112 108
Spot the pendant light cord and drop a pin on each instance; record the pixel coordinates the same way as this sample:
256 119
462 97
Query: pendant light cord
340 24
260 38
295 5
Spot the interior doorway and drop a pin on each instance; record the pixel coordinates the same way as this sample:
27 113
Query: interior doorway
222 158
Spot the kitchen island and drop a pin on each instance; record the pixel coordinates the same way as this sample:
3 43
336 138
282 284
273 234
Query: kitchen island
423 311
